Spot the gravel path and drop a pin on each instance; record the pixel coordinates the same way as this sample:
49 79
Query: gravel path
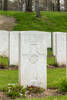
7 23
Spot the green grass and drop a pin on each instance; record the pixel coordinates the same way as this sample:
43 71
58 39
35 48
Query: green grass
51 61
55 75
47 98
50 21
4 61
6 77
49 52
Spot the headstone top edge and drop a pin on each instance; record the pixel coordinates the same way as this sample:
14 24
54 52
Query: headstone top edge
59 33
34 32
3 31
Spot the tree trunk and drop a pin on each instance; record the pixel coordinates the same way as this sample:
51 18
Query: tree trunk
37 8
5 5
49 5
65 5
28 5
58 5
20 4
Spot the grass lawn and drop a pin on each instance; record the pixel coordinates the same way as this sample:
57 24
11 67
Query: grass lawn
7 76
55 75
51 61
4 61
50 21
47 98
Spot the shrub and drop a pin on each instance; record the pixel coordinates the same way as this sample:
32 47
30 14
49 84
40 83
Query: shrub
34 89
63 85
14 91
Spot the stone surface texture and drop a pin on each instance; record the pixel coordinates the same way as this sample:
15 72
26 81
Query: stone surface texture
33 59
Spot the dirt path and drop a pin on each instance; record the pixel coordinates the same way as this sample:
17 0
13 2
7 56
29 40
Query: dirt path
7 23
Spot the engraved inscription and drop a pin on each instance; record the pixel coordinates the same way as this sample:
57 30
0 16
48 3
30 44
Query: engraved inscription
34 53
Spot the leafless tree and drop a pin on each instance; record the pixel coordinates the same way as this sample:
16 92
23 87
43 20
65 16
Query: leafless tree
65 5
58 5
37 8
5 5
20 4
28 5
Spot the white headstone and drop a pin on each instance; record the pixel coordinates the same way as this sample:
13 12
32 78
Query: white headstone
14 48
47 36
59 47
33 60
4 35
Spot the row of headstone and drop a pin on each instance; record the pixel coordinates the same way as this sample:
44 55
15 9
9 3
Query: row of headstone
9 43
60 47
28 49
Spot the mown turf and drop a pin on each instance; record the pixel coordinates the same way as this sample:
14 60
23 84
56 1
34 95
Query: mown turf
47 98
54 76
51 61
4 61
49 21
6 77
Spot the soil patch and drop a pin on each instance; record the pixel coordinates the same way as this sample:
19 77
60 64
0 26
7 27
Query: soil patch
62 66
7 23
47 93
16 67
3 67
3 96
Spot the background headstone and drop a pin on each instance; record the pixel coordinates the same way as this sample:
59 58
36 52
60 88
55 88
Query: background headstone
4 39
14 48
59 47
33 59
